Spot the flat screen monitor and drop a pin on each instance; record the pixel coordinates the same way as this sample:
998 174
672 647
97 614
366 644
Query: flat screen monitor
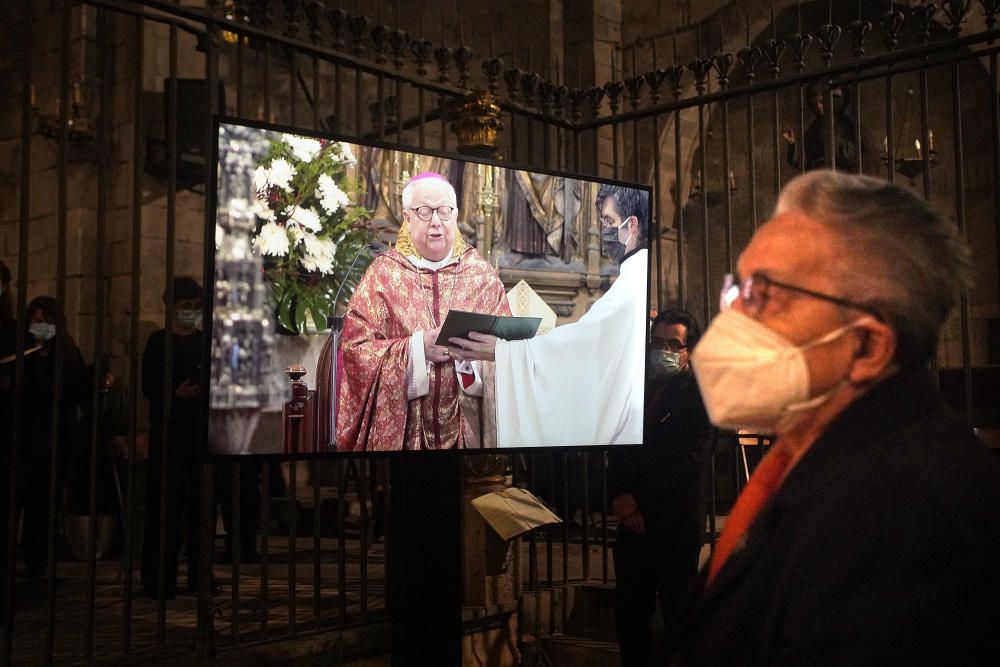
335 266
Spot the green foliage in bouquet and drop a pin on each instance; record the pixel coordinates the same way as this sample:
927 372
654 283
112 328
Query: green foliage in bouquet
308 229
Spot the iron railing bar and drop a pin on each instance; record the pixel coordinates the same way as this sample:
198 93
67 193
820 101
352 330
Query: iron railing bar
995 123
265 533
62 214
703 179
341 541
313 100
293 83
604 516
168 356
380 106
138 171
657 224
235 549
751 167
24 216
800 145
726 188
775 140
960 220
585 519
316 527
567 520
679 208
238 75
925 130
859 149
363 476
292 546
830 116
890 134
103 169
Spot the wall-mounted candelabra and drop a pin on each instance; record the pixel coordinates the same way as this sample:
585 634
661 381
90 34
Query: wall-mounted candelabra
79 127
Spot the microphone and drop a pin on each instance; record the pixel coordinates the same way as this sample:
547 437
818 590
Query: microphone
374 247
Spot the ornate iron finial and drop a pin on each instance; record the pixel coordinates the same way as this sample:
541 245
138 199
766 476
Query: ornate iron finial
241 11
380 39
800 45
529 87
675 77
596 96
923 15
293 17
614 90
338 18
512 77
956 11
990 9
559 94
577 97
266 14
545 88
858 30
442 55
463 58
892 24
654 80
634 86
423 51
722 62
493 68
774 49
359 33
315 9
749 57
398 41
701 67
828 36
477 123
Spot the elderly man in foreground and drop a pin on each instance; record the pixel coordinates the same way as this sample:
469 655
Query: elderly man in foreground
870 532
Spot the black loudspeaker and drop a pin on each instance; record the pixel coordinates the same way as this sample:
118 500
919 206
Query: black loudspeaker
193 115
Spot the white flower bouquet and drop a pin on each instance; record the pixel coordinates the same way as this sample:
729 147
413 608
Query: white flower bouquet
308 229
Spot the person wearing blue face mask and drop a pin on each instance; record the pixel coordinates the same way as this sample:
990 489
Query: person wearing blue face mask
47 428
657 492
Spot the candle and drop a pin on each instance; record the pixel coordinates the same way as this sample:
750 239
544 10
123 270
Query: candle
614 63
930 140
916 144
77 95
885 145
732 180
34 100
635 71
699 40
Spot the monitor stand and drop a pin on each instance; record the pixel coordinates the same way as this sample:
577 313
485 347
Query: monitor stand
425 558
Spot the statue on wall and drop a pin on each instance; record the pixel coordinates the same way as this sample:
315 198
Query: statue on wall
542 215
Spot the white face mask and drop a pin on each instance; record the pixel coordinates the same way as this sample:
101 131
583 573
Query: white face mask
42 330
189 319
753 378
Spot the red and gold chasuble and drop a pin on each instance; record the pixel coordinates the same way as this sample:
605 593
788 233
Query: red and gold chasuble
392 301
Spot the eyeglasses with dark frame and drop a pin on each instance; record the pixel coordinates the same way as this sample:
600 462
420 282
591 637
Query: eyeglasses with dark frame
671 344
754 291
425 213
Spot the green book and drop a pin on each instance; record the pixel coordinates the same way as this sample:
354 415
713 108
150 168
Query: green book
459 323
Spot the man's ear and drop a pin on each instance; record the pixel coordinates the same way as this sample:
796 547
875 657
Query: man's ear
875 353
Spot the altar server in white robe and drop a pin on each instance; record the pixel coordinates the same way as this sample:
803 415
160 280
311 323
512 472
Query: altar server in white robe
581 383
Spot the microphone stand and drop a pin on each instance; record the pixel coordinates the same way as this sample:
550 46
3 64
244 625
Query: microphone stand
336 324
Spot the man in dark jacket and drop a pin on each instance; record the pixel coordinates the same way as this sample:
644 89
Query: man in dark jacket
869 532
657 491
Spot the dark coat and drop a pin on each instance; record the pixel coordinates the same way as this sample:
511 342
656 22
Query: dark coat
667 474
880 547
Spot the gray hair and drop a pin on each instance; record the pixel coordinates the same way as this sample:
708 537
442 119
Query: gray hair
430 177
903 260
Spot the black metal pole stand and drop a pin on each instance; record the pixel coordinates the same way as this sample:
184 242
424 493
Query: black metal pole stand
425 552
